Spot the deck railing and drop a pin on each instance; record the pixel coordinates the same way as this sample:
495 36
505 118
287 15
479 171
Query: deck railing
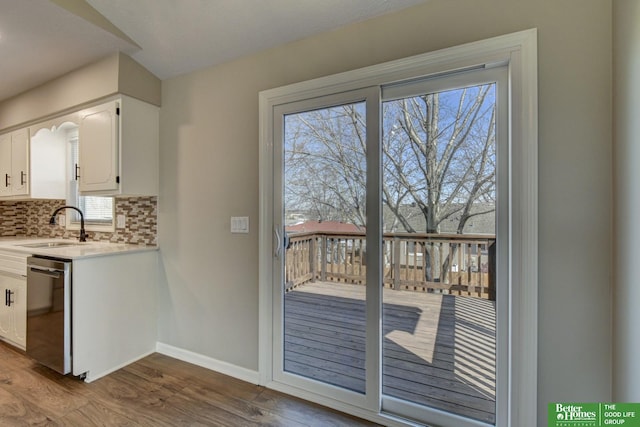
449 263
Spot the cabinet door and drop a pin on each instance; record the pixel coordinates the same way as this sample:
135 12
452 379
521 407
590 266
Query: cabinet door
98 148
19 306
13 310
5 164
5 320
48 160
6 312
20 162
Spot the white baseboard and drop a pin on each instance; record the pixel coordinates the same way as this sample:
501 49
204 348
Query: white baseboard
92 376
226 368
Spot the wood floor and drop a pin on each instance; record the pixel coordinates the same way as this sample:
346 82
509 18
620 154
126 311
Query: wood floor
438 350
156 391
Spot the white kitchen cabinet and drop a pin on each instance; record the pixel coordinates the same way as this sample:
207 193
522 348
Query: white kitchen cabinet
14 163
13 312
48 157
33 160
5 164
98 153
118 149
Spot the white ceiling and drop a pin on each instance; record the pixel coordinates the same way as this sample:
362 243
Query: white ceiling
41 40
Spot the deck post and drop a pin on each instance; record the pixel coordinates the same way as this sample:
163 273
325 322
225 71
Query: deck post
468 265
313 267
395 284
491 286
323 258
479 268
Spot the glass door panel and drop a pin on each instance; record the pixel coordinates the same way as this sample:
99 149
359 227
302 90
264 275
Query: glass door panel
439 210
324 219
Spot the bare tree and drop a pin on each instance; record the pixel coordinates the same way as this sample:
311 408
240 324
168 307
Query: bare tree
325 164
441 155
438 157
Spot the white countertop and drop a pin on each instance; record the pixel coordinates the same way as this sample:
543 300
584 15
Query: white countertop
77 251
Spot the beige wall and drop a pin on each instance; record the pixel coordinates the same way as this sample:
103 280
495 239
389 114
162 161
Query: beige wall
209 164
114 74
626 370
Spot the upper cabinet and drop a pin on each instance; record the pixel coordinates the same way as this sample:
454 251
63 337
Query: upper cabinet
97 168
14 164
48 158
117 143
33 162
118 149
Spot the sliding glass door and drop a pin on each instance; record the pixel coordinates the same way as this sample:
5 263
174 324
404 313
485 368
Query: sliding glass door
387 222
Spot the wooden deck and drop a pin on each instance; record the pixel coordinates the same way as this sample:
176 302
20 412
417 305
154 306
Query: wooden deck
438 350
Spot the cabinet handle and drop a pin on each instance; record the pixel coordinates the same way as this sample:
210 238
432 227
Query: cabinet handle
9 295
6 179
22 178
77 173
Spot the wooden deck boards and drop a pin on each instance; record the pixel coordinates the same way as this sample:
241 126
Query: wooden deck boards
438 350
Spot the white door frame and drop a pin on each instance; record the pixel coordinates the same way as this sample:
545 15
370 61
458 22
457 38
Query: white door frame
518 51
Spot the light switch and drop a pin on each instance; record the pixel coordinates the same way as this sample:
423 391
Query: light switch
239 224
121 221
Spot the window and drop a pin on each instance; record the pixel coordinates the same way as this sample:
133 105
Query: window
98 211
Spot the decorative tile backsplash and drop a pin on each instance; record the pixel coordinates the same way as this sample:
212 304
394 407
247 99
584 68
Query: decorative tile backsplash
30 218
12 219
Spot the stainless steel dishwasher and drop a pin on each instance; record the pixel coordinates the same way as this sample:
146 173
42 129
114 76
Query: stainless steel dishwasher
49 312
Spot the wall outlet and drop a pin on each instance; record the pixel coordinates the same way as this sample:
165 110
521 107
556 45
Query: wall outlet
121 221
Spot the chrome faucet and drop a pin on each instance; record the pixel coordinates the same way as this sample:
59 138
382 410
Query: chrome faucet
52 220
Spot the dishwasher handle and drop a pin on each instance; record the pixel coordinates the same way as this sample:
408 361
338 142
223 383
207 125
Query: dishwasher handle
50 272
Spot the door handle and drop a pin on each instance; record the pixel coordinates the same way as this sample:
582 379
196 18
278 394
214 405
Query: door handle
9 295
6 179
77 172
276 236
22 177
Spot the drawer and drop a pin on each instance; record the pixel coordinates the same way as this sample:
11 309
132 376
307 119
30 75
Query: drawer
13 263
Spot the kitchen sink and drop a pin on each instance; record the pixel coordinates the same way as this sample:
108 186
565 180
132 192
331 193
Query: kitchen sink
51 244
